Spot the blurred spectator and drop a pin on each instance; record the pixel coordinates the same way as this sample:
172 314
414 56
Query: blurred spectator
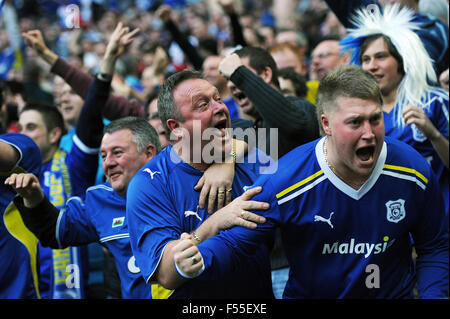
11 45
294 37
70 105
33 83
326 56
288 55
12 101
211 74
155 121
437 8
292 83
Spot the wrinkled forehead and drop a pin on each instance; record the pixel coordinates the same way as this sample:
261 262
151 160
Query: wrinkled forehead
120 138
193 87
326 46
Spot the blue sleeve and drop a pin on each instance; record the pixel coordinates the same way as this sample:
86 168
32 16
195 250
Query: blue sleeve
82 163
152 220
83 157
432 245
30 156
439 116
223 252
74 226
90 123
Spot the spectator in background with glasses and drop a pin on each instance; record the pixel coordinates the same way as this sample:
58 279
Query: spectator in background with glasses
326 56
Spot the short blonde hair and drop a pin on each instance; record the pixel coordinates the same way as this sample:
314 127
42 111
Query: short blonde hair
346 81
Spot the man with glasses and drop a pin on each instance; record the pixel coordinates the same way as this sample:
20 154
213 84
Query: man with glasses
326 56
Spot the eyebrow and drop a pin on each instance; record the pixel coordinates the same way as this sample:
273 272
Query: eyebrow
377 52
200 96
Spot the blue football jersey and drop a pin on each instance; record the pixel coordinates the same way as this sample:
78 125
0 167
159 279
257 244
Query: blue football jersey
347 243
162 204
437 111
101 218
18 246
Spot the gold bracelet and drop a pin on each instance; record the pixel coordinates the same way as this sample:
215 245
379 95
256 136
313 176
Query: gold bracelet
196 237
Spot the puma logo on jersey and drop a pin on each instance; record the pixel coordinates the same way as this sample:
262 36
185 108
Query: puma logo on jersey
148 170
318 218
192 213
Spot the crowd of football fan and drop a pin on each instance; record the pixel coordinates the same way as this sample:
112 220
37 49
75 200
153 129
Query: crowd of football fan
75 74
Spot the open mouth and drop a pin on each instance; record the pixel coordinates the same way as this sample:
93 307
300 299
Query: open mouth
222 127
67 109
378 77
366 153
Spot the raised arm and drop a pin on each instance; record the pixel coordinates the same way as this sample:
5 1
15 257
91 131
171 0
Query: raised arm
191 52
90 123
416 115
116 106
236 28
276 109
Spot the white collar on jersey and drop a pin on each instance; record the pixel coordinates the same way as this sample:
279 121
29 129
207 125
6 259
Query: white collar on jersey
341 185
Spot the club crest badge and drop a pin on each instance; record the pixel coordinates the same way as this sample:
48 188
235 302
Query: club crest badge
395 210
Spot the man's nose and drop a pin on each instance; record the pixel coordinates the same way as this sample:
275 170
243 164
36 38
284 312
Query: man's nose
368 130
109 161
218 106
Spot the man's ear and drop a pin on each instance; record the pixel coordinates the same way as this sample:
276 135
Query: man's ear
325 122
55 135
267 75
174 128
346 58
150 151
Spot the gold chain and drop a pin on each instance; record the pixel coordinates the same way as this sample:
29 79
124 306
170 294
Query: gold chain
325 153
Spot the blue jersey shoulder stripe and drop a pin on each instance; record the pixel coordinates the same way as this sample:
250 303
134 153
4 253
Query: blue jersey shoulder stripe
100 186
114 237
406 170
303 189
299 184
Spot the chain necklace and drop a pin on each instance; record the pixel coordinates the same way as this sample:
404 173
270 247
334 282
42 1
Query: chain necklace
325 153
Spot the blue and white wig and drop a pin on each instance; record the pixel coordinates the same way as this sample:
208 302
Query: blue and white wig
397 25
